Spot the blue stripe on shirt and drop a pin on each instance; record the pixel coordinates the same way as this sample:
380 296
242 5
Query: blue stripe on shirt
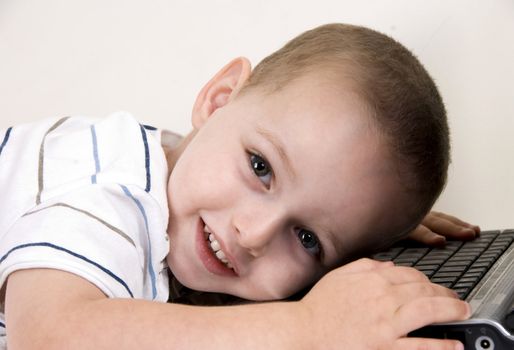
95 154
50 245
143 212
6 138
2 325
149 127
147 159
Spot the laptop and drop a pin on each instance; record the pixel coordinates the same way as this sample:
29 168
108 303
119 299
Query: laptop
482 273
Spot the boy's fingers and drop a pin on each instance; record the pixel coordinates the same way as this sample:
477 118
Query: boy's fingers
436 226
424 311
411 291
424 235
451 230
457 221
402 275
364 265
386 272
428 344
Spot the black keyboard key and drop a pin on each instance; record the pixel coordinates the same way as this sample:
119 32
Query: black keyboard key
451 275
459 269
483 264
458 262
465 284
444 280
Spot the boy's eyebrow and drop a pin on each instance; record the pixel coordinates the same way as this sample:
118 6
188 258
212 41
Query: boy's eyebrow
279 148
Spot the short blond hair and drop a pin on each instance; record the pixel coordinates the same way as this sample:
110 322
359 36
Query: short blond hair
403 99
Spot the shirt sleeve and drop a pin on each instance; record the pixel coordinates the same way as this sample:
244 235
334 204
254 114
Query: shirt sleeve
111 235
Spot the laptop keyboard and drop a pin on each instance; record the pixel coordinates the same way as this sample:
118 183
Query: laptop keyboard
459 265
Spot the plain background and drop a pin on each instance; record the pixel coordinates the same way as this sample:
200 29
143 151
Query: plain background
93 57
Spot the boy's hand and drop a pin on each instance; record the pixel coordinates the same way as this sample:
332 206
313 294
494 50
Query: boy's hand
374 305
436 227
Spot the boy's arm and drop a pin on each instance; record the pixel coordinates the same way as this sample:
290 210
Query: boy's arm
52 309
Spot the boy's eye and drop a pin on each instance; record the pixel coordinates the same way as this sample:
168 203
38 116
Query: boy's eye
261 169
309 241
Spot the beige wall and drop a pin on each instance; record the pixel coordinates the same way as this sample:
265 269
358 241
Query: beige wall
150 57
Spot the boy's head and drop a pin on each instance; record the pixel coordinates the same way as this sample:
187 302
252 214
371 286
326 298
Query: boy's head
335 145
402 99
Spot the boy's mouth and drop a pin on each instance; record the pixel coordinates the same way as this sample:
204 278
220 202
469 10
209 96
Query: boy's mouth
216 247
210 253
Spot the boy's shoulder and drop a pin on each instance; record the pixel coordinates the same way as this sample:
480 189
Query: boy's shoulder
52 157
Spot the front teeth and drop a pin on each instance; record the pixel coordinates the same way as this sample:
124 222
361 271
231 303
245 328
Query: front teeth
216 247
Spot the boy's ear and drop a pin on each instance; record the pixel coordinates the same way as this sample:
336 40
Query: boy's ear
221 89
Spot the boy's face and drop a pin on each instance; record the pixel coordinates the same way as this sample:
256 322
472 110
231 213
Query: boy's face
285 184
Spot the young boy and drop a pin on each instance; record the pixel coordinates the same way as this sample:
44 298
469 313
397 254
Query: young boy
333 147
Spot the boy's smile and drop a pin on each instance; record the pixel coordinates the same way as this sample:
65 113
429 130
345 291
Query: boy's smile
215 258
273 190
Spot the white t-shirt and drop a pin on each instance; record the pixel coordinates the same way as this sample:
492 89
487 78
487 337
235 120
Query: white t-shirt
87 196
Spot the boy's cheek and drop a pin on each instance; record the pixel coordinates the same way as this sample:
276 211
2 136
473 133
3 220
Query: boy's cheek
297 271
209 182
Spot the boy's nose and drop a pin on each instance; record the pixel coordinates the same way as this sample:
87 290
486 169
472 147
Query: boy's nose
257 229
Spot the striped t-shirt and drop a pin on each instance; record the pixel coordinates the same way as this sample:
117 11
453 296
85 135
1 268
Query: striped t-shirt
87 196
